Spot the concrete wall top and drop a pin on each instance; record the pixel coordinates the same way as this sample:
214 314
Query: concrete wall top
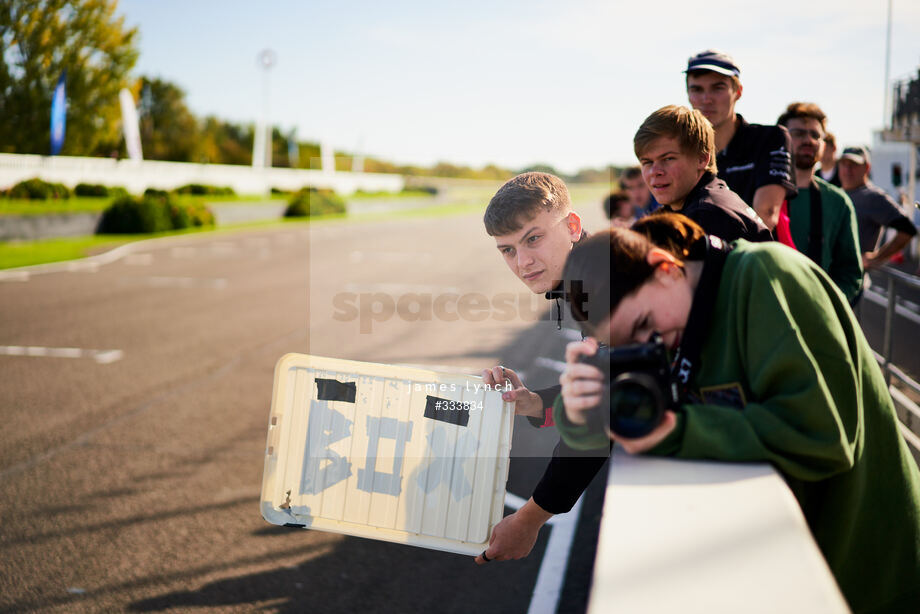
706 537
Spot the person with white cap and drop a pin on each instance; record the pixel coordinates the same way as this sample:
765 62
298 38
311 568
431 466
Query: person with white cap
754 160
874 209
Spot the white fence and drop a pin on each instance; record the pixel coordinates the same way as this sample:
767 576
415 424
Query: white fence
138 176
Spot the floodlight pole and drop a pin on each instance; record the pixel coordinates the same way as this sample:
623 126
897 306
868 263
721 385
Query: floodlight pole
886 115
262 142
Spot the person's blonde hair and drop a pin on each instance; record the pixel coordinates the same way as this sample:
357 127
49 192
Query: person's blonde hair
692 130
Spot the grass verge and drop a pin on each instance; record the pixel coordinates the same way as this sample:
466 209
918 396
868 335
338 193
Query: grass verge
15 254
408 193
85 204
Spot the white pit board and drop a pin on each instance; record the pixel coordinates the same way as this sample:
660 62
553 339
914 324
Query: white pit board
398 454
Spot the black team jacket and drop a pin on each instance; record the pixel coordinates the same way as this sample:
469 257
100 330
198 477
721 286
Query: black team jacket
721 212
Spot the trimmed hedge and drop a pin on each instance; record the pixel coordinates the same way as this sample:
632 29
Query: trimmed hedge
98 190
311 202
36 189
198 189
188 216
90 189
424 189
156 192
151 213
129 215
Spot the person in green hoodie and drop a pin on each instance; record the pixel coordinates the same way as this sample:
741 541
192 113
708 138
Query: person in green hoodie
771 366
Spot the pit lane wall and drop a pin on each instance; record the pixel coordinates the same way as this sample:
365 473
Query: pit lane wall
708 538
137 176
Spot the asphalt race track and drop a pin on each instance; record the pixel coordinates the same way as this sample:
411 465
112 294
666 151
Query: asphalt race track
135 398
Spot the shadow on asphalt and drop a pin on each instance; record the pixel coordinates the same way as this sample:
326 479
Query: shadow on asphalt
360 575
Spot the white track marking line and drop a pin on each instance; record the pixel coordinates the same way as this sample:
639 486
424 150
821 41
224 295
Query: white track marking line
167 393
515 502
401 288
256 242
139 259
102 357
551 576
223 248
65 352
549 363
182 252
389 257
83 267
14 276
157 281
571 333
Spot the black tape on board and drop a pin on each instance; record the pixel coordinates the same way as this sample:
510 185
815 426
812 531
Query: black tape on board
334 390
445 410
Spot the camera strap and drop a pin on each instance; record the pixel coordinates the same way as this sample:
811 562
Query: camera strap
687 359
558 293
815 224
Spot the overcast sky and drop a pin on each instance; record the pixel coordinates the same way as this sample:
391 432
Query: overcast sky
517 82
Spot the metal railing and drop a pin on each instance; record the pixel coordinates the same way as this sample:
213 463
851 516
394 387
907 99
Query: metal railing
896 377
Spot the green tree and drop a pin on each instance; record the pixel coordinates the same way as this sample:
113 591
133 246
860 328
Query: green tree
540 168
376 165
40 39
223 142
280 144
491 171
309 155
596 175
168 129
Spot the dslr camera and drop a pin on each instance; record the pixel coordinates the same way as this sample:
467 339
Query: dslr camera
641 387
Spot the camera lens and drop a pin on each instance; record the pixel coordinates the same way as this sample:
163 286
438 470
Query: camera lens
636 405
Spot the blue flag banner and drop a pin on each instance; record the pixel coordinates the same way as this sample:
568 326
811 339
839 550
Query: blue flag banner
58 115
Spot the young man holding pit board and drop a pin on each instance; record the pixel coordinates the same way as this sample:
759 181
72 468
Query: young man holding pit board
535 228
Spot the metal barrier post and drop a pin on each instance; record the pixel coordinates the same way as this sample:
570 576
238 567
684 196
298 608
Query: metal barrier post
889 321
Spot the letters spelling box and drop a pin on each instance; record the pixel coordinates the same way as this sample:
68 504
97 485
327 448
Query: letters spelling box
391 453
